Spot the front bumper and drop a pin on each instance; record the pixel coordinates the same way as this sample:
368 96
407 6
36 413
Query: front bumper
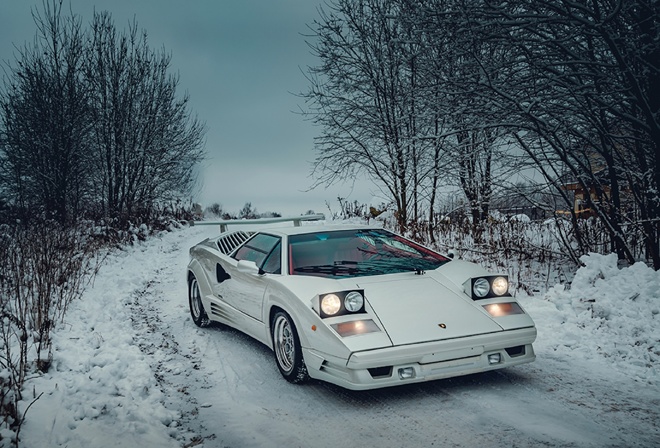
372 369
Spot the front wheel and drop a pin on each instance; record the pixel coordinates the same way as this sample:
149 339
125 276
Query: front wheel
197 311
286 346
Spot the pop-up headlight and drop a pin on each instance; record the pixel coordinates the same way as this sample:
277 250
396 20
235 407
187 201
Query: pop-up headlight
340 303
330 304
487 287
353 302
480 287
500 286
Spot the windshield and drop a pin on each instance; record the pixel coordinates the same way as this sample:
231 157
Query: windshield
356 253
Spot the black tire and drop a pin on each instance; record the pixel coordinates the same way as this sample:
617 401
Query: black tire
197 311
286 346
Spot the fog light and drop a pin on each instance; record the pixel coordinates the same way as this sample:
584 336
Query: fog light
494 358
405 373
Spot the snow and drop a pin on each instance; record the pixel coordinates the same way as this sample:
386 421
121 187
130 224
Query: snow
618 308
130 369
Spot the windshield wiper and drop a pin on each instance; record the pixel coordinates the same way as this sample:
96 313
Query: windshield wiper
328 269
392 266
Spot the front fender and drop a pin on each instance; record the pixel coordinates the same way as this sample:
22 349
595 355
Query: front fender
312 331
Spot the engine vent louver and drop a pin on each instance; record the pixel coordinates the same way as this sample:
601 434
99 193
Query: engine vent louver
232 240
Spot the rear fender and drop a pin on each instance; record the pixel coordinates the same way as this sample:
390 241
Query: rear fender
195 268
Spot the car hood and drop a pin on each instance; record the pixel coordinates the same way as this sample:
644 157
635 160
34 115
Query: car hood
422 309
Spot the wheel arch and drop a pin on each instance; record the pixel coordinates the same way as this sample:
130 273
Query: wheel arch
274 307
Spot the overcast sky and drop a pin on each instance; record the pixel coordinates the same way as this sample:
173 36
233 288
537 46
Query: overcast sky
240 61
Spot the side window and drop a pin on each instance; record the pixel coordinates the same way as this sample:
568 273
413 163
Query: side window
273 263
250 254
261 249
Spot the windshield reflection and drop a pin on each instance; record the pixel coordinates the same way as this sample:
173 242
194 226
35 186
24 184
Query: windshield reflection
356 253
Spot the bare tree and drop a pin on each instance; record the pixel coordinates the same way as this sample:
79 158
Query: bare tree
146 142
248 212
584 95
94 120
392 96
45 267
572 85
411 91
45 118
363 96
471 149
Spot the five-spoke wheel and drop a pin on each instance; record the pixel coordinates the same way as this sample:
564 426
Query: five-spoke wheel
286 346
197 311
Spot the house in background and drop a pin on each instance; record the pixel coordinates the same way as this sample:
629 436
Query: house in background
585 193
583 197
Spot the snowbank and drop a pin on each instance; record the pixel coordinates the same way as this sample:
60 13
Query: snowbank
609 312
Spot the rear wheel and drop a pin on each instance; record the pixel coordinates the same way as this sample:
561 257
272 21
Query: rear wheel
286 346
197 311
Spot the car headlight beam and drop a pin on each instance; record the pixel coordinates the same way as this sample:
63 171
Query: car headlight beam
330 304
500 286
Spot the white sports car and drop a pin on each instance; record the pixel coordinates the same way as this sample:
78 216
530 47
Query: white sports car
357 306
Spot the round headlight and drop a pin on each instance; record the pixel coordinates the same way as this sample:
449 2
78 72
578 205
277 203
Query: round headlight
500 286
481 287
353 301
330 304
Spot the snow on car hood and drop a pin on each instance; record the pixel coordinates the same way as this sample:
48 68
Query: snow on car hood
421 309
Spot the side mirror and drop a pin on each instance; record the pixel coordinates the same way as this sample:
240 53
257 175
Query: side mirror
248 267
451 254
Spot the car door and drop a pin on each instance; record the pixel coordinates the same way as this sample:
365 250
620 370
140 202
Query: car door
245 290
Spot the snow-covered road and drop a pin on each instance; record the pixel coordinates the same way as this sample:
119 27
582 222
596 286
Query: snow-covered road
131 369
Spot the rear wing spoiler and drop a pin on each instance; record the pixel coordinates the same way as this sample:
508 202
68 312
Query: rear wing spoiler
225 223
